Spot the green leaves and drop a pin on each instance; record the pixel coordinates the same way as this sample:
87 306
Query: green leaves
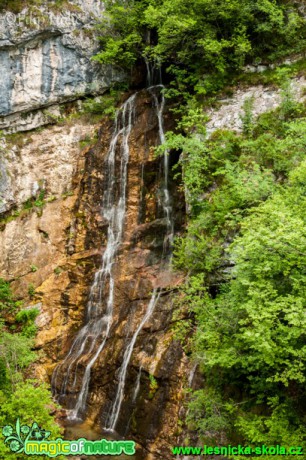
245 253
16 354
30 402
7 302
207 412
123 35
22 398
201 43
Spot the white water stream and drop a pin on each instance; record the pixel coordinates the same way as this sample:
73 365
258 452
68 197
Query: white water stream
168 240
137 386
166 200
92 337
115 411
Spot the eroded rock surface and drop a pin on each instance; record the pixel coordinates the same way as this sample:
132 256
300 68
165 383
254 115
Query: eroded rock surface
57 248
45 59
150 417
264 98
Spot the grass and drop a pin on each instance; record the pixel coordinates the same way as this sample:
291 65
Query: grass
88 140
18 139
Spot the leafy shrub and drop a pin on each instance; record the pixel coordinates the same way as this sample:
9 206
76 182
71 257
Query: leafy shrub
201 43
7 301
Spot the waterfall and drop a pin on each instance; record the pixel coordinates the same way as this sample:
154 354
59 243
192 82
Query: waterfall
113 417
92 337
166 200
167 209
137 386
154 75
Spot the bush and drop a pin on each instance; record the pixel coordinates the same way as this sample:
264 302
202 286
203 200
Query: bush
201 43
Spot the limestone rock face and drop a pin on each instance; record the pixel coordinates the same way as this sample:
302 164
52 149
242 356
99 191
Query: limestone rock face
39 183
40 162
45 59
229 114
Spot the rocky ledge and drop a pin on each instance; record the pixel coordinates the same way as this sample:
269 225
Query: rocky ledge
45 60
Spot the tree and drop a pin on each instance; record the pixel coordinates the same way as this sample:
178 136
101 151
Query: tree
199 42
251 336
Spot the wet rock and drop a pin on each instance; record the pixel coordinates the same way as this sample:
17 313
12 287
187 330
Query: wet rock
66 242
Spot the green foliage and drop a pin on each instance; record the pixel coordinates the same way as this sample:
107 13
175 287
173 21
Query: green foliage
16 355
15 6
153 382
225 177
200 42
254 328
40 201
20 397
106 104
245 252
247 117
32 203
12 5
3 374
27 319
31 401
7 302
288 105
153 386
123 32
208 413
99 106
31 290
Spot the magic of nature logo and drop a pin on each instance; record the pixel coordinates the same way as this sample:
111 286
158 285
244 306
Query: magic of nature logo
33 440
16 437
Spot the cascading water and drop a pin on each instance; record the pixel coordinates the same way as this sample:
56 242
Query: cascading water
91 339
137 386
167 208
154 76
113 417
166 200
192 374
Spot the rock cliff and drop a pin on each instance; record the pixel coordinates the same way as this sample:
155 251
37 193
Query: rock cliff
45 59
52 248
157 361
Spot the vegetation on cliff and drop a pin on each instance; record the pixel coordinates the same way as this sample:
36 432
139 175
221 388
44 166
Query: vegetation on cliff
245 255
200 43
15 6
20 396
